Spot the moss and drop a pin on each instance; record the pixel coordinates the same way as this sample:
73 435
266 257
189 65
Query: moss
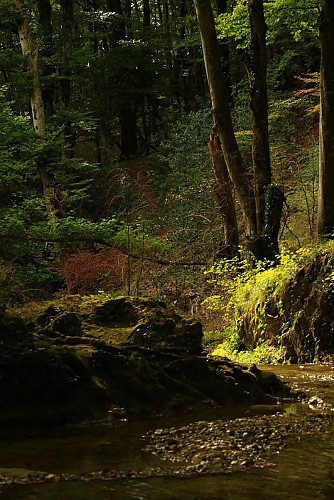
67 368
299 314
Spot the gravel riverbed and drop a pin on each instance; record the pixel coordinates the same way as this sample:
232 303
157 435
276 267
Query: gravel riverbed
223 446
202 447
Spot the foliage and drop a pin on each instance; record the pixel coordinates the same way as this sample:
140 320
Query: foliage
264 352
161 203
297 18
245 282
252 291
89 272
186 184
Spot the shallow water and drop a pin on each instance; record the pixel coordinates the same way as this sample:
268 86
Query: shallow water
302 471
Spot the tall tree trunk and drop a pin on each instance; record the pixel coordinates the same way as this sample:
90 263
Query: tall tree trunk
147 14
268 198
230 246
31 55
47 51
225 51
326 129
257 68
222 122
118 32
67 19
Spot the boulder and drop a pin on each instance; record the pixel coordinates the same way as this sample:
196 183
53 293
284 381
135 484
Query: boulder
164 330
296 313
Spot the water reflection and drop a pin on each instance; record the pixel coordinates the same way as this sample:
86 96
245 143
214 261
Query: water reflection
303 471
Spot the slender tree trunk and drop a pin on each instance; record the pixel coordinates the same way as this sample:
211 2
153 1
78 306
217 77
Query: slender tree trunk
147 14
31 55
222 122
127 13
118 32
67 17
230 245
326 129
47 51
257 68
268 197
225 51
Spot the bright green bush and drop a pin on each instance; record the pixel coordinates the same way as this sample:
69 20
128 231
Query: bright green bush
250 288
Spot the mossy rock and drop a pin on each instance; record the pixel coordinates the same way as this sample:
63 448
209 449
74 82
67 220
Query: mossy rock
55 320
299 317
166 330
67 323
12 329
48 315
60 371
123 311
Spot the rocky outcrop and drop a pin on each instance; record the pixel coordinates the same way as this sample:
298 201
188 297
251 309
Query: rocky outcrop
123 321
79 358
296 313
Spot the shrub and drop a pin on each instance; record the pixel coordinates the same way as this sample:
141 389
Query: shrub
87 272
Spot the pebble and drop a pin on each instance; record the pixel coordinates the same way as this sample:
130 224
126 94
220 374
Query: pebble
223 446
205 447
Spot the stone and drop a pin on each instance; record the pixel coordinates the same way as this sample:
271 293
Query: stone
67 323
168 330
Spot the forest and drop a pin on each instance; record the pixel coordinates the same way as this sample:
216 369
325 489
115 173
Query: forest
155 148
166 220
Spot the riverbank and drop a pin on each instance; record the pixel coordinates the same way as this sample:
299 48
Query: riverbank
158 456
85 357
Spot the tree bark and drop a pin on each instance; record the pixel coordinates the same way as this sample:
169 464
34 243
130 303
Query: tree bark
268 197
31 55
326 125
118 32
47 51
222 122
257 69
225 51
67 17
147 14
230 246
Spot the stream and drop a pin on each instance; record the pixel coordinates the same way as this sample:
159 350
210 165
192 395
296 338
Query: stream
302 470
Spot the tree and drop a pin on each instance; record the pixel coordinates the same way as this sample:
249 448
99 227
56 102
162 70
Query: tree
261 202
31 54
230 246
326 128
268 197
222 121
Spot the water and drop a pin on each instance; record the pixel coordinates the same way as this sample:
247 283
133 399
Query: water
303 471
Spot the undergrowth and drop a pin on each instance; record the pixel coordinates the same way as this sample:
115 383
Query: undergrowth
246 288
227 344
